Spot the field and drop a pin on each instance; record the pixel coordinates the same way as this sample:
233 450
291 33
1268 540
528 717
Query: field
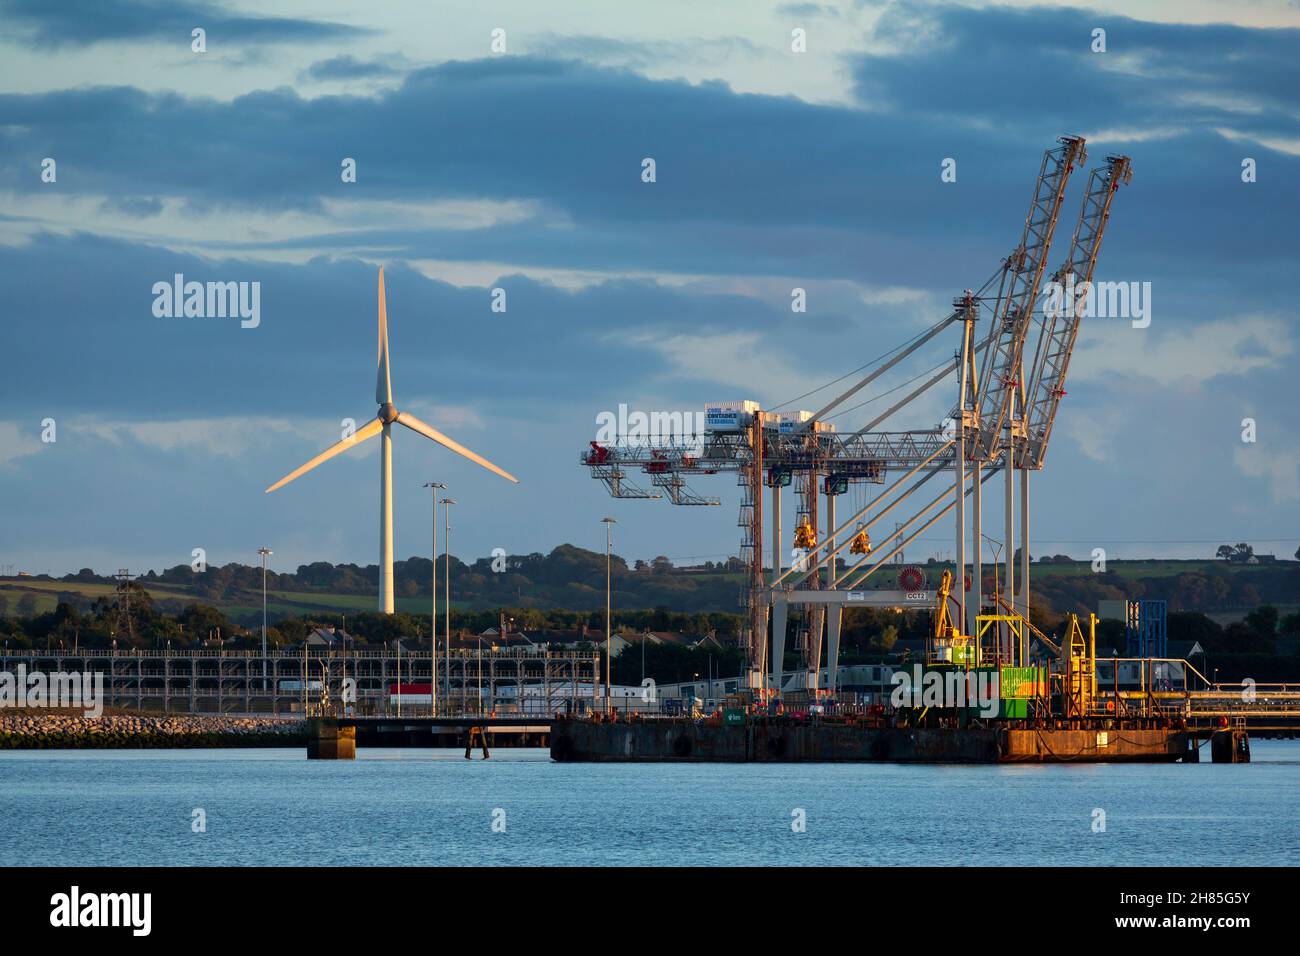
278 603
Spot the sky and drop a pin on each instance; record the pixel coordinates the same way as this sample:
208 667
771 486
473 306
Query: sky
501 146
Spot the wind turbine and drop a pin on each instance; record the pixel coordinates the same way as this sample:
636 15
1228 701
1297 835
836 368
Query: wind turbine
382 424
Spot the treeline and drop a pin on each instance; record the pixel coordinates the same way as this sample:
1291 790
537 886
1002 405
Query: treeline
1212 587
140 621
568 577
574 578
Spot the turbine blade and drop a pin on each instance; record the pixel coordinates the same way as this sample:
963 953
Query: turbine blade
368 430
384 384
428 431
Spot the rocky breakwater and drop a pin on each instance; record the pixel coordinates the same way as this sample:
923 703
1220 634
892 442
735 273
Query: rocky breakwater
36 731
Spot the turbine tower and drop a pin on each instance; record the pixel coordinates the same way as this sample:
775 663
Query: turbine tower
381 424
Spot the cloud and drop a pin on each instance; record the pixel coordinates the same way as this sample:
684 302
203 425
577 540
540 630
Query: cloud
747 184
136 207
640 54
313 352
18 440
739 361
970 63
1096 432
346 67
1112 348
808 10
1280 469
228 437
86 22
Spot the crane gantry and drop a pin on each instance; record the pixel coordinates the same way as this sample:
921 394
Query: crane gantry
1002 422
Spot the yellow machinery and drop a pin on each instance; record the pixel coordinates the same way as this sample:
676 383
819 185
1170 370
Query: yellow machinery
950 646
1017 636
861 543
1079 667
805 537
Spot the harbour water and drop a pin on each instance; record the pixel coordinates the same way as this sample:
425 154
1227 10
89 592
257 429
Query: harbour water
422 807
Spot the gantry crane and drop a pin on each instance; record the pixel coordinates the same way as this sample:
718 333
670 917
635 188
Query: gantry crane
1001 422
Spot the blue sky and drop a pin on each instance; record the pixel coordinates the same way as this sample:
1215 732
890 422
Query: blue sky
521 170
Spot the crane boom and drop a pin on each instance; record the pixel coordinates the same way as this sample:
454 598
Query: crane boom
1002 360
1061 325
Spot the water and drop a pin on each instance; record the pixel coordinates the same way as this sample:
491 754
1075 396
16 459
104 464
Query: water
274 807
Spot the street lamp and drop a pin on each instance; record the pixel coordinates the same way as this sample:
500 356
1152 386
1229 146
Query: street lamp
609 542
264 552
433 607
446 543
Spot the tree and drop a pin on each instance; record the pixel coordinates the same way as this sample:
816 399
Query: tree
1225 551
27 605
1263 621
293 629
1240 638
1194 626
886 639
200 620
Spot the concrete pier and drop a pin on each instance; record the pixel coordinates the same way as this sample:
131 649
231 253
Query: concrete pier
777 741
1230 746
326 740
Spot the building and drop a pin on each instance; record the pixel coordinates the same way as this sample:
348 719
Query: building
331 637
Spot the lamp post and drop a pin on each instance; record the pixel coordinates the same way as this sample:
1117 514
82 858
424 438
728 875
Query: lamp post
433 487
446 637
609 543
264 552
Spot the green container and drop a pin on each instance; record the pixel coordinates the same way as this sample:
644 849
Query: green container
733 716
1014 707
1019 682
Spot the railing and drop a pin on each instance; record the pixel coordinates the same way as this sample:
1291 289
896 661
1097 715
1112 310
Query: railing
1210 703
510 653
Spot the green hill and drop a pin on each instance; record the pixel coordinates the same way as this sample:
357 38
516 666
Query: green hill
573 579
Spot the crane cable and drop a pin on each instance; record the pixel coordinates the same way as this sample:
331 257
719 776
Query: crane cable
929 371
880 358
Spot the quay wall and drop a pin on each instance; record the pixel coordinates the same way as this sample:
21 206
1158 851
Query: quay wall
756 741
